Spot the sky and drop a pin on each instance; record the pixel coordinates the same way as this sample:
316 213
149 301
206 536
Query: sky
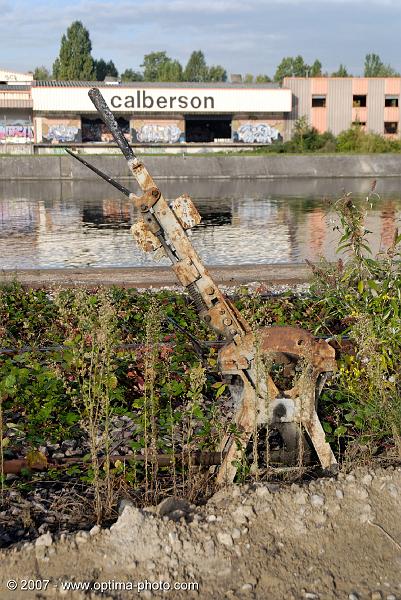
244 36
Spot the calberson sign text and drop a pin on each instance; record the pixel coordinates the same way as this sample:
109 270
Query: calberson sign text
145 99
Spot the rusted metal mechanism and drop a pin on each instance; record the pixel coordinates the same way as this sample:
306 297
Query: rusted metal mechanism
260 400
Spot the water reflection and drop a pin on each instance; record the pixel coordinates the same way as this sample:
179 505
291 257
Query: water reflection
84 223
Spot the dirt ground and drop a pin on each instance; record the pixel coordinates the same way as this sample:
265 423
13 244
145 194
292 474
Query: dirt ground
331 538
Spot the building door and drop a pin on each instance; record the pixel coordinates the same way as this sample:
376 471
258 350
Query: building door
207 128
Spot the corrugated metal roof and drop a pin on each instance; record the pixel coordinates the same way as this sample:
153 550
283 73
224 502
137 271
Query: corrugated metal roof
11 88
156 84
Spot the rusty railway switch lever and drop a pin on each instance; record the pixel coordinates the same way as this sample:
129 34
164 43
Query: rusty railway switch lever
261 400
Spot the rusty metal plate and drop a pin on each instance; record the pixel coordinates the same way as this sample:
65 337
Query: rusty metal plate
186 211
145 239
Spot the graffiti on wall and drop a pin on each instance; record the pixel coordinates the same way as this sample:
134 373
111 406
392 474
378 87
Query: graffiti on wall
169 134
16 132
62 133
94 130
262 133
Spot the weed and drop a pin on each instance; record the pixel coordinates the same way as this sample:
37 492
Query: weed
90 348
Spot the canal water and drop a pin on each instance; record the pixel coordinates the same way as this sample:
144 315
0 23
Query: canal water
66 224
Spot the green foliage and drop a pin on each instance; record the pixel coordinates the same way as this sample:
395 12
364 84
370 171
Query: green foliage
374 67
153 63
75 60
341 72
41 73
356 139
131 75
171 71
104 69
363 403
307 139
262 79
196 68
315 69
217 73
296 67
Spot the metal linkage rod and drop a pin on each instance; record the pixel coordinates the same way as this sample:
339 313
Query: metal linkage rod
117 185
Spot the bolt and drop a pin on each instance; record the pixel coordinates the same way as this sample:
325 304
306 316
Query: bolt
155 193
210 290
144 207
208 318
227 322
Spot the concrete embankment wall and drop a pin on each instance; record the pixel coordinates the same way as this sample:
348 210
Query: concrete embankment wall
209 167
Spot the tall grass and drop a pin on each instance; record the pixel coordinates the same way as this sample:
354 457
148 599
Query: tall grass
91 337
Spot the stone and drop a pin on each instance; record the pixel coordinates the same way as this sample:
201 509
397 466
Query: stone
353 596
367 479
95 530
82 537
172 504
317 500
225 539
247 587
376 595
44 540
68 444
123 504
392 490
243 513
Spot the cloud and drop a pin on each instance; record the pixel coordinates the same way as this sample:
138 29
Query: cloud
250 36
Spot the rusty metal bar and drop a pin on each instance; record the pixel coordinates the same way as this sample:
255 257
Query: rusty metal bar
196 458
118 186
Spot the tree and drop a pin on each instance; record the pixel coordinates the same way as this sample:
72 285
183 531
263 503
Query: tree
41 73
196 69
131 75
75 60
284 69
262 79
104 69
374 67
341 72
171 71
248 78
300 68
316 69
153 64
217 73
297 67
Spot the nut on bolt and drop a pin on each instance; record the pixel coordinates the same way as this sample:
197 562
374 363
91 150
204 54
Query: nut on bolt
210 290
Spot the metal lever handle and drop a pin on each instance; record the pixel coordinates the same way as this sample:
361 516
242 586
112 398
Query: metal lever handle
108 117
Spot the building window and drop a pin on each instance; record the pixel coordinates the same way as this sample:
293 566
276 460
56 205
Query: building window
391 127
391 101
359 123
359 101
318 101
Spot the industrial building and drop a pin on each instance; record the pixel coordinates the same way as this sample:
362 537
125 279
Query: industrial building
44 114
335 103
